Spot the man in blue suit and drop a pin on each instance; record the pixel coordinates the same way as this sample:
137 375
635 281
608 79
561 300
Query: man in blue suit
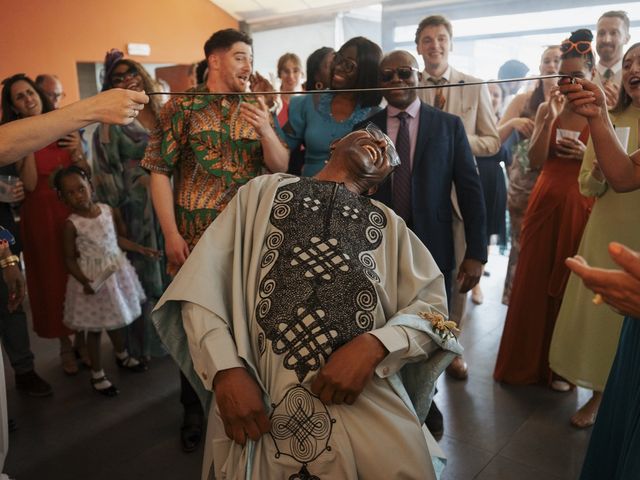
435 156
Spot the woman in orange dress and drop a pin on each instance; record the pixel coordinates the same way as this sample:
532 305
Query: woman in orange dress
551 231
43 216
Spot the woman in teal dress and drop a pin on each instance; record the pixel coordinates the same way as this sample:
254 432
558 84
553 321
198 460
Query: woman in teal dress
122 183
318 120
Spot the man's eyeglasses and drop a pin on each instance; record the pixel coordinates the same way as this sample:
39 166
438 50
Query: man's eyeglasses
118 78
389 150
55 96
404 73
582 47
348 65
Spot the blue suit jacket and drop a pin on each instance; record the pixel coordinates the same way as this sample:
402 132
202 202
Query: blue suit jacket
442 157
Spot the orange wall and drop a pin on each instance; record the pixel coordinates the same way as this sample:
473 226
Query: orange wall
50 36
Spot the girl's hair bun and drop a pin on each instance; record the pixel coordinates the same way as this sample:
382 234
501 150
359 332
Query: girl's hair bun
581 35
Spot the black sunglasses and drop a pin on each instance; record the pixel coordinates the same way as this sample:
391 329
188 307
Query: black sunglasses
118 78
404 73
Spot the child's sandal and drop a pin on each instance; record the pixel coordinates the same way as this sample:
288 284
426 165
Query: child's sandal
110 391
69 363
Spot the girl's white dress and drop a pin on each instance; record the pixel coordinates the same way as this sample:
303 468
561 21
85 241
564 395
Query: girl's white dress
117 302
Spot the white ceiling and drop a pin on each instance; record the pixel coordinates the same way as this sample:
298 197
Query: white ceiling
256 11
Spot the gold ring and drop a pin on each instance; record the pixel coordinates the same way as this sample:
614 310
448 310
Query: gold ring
597 299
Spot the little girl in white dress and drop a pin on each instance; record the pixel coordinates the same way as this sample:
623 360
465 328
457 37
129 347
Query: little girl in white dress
103 290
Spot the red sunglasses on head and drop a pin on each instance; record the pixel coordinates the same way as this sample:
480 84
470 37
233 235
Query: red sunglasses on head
582 47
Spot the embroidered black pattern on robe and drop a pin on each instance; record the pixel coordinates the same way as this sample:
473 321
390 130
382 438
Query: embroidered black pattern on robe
318 293
301 427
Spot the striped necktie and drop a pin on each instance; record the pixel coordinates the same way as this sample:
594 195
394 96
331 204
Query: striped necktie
402 174
438 99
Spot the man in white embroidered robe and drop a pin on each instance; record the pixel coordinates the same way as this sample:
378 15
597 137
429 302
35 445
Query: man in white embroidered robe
305 309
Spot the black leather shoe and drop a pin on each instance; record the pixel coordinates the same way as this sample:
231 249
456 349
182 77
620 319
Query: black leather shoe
435 422
191 431
32 384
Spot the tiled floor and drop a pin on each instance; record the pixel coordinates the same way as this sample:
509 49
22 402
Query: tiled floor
492 432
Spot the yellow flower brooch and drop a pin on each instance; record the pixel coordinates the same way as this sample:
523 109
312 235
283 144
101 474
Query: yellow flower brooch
444 328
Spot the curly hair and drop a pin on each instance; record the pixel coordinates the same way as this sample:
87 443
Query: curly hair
580 35
62 173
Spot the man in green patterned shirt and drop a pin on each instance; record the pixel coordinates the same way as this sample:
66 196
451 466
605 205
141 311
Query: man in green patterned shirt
210 145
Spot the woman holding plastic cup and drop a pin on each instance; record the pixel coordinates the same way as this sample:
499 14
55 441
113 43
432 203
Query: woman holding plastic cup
586 335
551 230
42 217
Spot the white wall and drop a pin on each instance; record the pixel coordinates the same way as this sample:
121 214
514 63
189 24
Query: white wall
302 40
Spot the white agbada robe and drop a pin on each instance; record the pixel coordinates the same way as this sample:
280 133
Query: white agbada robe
289 272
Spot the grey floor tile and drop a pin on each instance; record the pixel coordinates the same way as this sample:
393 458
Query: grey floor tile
548 442
464 461
501 468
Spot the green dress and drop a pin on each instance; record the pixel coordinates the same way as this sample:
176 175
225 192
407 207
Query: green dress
586 335
121 183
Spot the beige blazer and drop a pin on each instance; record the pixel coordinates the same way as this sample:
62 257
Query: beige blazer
473 105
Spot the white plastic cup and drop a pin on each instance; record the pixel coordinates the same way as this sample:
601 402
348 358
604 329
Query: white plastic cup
7 184
623 136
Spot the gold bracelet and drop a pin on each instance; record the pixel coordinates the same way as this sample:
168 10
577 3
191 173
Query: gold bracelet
9 261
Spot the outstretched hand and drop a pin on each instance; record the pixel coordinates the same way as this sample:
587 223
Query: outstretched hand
619 288
115 106
240 403
348 370
585 97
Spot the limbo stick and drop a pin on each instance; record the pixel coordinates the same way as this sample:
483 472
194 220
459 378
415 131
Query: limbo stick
462 83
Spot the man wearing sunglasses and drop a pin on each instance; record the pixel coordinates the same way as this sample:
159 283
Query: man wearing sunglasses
435 156
315 317
612 34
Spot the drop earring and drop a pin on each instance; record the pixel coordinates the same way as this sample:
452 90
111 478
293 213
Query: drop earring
319 86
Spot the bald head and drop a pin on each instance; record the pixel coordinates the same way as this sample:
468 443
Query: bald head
52 88
400 55
399 69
